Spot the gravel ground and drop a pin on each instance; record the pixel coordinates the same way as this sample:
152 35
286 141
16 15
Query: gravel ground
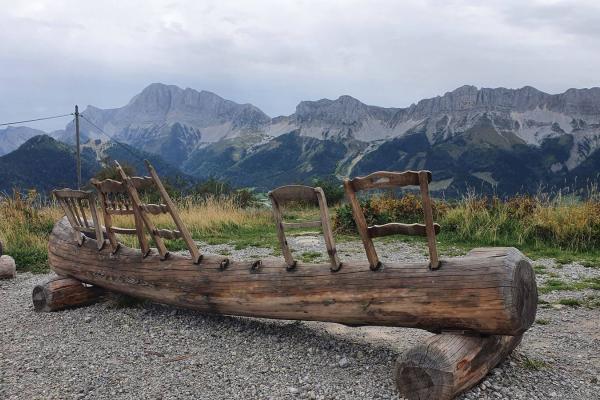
107 351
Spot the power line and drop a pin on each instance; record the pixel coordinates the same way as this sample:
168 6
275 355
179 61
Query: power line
36 119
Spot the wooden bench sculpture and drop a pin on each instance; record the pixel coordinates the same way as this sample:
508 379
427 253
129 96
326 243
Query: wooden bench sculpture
299 193
392 180
479 304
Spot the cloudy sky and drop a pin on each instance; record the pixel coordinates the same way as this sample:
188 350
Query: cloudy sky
276 53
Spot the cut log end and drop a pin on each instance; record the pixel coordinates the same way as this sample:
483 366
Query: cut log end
446 365
8 268
62 293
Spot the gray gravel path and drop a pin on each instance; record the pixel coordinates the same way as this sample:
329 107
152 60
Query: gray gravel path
159 352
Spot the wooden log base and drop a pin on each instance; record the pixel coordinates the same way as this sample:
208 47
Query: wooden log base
8 268
448 364
491 292
62 293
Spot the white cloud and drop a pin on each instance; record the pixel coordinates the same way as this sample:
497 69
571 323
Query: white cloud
276 53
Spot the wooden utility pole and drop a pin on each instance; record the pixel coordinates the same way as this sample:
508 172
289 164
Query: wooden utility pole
78 147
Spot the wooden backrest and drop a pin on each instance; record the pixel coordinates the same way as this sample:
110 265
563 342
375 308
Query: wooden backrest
311 195
389 180
294 193
74 203
115 200
115 197
122 198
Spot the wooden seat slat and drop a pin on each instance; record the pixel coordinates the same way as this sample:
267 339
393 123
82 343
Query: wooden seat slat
306 224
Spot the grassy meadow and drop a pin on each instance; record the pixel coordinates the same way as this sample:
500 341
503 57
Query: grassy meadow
560 227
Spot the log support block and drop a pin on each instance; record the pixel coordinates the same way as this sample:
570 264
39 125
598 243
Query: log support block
62 293
447 364
8 269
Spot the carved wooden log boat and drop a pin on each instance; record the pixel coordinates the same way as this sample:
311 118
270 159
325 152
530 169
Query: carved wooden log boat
491 290
481 304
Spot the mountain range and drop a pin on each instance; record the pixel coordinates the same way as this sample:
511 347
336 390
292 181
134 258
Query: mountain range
493 140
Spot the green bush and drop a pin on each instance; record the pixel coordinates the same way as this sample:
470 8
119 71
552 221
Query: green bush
334 192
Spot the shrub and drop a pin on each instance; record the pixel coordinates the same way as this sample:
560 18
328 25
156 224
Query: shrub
334 192
343 220
386 208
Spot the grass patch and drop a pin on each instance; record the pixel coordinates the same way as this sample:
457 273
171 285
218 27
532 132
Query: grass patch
539 269
24 229
310 256
560 285
542 321
591 302
533 364
554 284
570 302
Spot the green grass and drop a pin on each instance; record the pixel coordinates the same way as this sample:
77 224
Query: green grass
533 364
310 256
539 269
551 285
542 321
592 302
570 302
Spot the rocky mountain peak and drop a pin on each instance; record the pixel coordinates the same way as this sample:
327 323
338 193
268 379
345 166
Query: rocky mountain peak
345 110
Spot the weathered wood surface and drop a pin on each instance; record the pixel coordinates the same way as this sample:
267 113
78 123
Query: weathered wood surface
446 365
361 225
182 230
293 193
492 293
61 293
315 195
424 179
387 180
398 228
8 268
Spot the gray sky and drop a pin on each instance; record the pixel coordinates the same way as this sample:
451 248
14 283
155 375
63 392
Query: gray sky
274 54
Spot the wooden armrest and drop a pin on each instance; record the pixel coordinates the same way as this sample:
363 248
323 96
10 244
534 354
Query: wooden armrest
400 229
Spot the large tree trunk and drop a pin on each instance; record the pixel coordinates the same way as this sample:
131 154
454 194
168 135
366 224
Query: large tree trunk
61 293
446 365
491 292
8 269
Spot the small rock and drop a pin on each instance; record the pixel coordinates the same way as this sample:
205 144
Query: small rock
343 363
87 319
293 390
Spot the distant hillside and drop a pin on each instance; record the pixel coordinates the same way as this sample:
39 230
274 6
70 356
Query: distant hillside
43 163
14 136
